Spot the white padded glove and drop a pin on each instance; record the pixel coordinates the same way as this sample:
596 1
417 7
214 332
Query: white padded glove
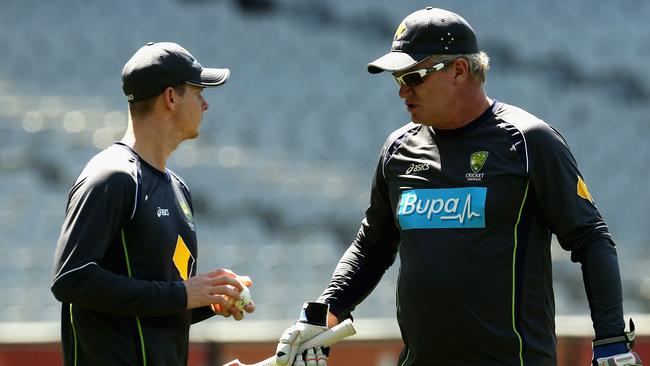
312 322
624 359
321 359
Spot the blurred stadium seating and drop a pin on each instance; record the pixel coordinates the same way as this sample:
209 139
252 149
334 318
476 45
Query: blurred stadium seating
281 172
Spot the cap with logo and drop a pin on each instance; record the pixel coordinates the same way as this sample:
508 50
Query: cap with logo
430 31
157 66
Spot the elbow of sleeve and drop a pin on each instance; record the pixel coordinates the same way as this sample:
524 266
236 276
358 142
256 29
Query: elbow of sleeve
596 247
62 288
59 292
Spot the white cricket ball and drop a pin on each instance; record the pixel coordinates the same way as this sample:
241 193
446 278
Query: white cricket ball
244 298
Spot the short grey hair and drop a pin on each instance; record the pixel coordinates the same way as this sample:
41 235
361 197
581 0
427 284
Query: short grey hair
479 63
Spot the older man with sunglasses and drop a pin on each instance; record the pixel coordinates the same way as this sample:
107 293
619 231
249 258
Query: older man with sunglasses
469 194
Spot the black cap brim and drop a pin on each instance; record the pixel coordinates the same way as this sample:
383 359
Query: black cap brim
395 61
211 77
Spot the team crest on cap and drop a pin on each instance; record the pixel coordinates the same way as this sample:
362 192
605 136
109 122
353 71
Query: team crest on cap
401 29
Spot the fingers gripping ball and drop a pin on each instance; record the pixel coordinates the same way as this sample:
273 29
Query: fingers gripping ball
244 298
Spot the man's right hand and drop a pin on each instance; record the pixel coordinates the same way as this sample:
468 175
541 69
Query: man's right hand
624 359
616 350
212 288
312 322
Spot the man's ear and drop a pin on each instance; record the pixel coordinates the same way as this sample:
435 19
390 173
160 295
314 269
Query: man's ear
169 98
461 69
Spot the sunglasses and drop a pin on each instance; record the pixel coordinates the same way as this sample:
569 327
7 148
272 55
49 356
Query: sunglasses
416 77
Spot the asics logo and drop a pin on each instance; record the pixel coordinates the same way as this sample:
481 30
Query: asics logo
442 208
162 212
413 168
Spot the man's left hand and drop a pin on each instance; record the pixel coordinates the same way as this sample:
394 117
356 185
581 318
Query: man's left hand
312 321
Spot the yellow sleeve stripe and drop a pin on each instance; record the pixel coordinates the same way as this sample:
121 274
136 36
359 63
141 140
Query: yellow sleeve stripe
583 191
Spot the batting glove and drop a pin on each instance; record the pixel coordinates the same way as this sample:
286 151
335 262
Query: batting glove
616 351
315 357
312 322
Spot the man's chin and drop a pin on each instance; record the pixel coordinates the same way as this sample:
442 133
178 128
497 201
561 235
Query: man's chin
420 121
415 118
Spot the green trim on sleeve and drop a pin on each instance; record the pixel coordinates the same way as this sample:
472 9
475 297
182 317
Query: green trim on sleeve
74 335
126 254
514 256
137 319
144 353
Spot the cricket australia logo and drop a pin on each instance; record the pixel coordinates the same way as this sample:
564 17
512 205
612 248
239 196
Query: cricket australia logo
184 207
476 162
189 218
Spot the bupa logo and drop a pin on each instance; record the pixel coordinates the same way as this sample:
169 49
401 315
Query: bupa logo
444 208
414 168
162 212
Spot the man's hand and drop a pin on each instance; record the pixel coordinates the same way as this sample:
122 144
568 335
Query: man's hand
616 350
315 357
218 289
624 359
312 321
232 308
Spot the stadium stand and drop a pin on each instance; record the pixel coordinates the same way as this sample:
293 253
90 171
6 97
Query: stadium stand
280 175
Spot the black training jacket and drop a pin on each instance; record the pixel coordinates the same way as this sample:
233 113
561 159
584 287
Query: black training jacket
471 212
127 242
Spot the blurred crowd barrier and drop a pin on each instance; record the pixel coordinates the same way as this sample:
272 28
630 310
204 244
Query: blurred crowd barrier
377 342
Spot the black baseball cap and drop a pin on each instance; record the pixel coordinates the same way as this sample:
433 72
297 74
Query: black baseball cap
430 31
157 66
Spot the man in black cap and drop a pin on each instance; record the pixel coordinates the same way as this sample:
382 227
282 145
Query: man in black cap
469 194
125 262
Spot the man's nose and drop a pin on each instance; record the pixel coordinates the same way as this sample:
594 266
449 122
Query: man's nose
405 91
